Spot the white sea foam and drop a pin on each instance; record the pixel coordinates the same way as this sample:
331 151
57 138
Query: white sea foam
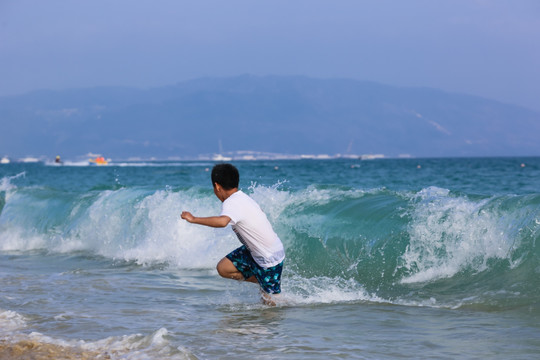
136 346
299 291
146 227
324 290
7 186
169 238
10 322
129 224
449 234
15 239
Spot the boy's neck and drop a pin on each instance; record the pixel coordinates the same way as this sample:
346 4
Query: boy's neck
229 193
223 194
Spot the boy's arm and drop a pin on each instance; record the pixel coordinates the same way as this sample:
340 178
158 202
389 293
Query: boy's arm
212 221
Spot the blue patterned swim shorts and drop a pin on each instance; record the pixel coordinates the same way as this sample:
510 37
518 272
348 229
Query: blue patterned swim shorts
269 279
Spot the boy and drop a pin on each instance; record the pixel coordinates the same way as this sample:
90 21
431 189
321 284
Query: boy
260 258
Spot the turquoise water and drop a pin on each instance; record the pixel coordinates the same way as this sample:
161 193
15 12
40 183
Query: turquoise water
409 258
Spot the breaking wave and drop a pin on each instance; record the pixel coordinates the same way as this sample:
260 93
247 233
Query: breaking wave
431 247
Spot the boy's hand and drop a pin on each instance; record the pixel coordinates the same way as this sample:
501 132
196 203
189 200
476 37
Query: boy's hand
186 215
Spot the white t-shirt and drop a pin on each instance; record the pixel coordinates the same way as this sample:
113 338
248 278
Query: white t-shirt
253 229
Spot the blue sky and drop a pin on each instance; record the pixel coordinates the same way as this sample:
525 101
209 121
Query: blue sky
489 48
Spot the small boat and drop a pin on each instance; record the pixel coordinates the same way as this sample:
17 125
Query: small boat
100 160
5 160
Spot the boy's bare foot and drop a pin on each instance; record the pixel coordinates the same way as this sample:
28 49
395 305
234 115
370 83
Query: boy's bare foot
269 299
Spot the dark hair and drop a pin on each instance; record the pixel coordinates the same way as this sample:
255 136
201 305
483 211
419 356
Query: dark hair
225 175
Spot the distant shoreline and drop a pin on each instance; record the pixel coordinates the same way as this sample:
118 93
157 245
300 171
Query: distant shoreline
244 158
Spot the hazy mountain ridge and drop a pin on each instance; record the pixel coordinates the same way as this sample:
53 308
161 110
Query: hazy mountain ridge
276 114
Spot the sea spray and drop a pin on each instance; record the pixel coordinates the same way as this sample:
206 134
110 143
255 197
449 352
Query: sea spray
449 234
129 224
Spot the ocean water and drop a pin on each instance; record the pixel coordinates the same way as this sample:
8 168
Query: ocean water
386 259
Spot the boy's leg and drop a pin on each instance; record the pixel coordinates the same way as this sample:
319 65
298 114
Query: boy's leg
226 269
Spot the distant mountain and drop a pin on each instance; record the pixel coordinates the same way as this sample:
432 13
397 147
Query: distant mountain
274 114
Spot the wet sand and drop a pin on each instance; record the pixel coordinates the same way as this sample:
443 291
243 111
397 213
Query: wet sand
32 350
